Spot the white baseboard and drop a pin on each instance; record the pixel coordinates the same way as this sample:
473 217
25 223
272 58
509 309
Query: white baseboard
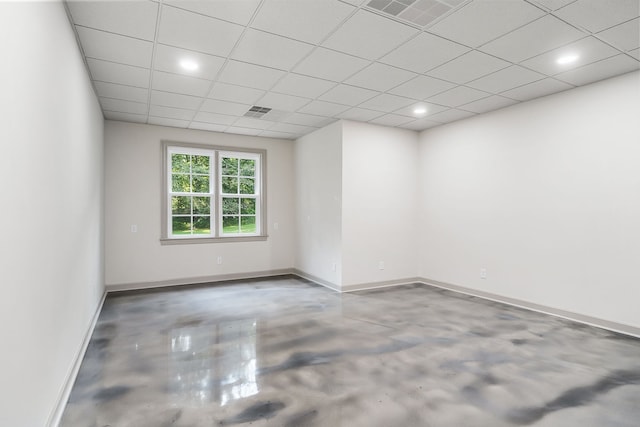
198 280
58 410
316 280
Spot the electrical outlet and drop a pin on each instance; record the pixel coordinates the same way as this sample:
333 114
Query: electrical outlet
134 228
334 266
381 265
276 225
219 260
483 273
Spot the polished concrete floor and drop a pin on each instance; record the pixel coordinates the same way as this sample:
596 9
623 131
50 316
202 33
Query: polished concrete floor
284 352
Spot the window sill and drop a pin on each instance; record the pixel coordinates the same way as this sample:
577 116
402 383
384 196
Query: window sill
192 240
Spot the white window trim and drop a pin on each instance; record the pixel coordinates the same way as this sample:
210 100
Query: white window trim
169 147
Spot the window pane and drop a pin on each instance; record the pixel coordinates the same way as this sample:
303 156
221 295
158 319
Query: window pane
181 205
230 224
229 166
248 206
229 185
201 225
247 167
202 205
200 164
200 184
230 206
180 183
181 225
180 163
247 186
248 224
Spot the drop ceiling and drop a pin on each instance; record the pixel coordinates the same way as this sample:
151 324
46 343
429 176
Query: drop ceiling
308 63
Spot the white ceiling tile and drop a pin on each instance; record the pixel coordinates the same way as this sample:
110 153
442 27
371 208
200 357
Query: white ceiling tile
391 120
422 87
197 32
238 11
597 15
178 83
411 55
310 21
635 53
296 84
533 39
348 95
368 35
113 47
112 72
130 18
450 116
278 135
224 107
308 120
233 93
270 50
282 102
467 67
505 79
537 89
168 58
553 4
380 77
164 121
125 117
481 21
387 103
606 68
322 108
488 104
360 114
120 106
253 123
409 110
177 100
330 65
171 113
219 119
588 49
624 36
254 76
457 96
128 93
243 131
290 128
420 125
211 127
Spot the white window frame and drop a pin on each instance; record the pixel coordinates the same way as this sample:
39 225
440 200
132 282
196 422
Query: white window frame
215 193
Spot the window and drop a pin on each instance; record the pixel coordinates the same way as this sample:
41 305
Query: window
212 193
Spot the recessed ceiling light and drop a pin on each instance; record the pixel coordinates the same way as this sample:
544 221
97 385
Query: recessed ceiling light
567 59
189 65
419 110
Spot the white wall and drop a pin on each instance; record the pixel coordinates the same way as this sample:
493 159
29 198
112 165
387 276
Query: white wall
133 197
546 196
379 204
318 193
52 202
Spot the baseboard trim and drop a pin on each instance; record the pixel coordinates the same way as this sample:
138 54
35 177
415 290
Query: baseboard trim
58 410
384 284
576 317
316 280
121 287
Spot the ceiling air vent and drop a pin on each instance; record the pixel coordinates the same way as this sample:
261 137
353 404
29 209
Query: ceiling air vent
418 12
257 112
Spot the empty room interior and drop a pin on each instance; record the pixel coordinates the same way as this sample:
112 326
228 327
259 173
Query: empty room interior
320 213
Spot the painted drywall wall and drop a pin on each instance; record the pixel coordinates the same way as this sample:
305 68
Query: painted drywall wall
133 168
379 204
318 194
545 196
52 204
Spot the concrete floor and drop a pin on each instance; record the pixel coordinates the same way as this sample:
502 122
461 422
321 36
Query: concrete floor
284 352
